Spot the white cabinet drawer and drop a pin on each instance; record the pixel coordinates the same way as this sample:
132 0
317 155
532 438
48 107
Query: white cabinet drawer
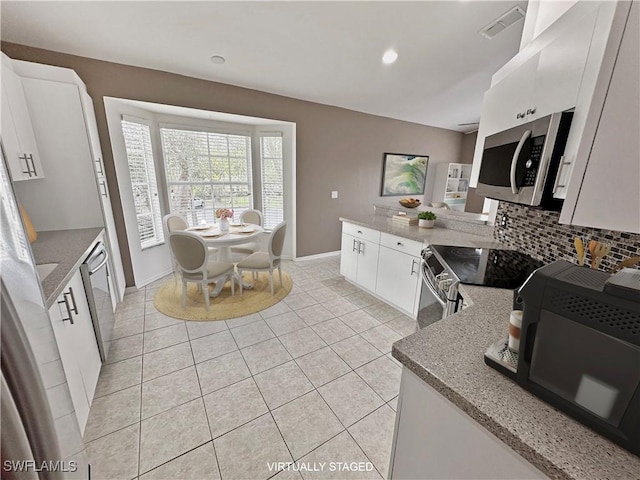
361 232
411 247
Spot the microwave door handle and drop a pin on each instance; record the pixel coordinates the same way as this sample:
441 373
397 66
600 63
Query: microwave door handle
514 161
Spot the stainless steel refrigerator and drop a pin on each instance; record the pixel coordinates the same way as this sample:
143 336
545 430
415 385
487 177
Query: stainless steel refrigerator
40 434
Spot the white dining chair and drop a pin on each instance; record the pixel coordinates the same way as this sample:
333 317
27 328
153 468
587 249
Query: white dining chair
269 260
253 217
174 222
192 256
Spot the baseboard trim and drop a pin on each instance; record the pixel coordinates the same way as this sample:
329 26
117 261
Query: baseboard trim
154 278
317 256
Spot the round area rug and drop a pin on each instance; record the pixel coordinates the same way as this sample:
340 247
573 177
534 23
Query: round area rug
168 298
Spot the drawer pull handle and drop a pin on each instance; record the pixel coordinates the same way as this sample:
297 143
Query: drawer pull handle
413 264
73 299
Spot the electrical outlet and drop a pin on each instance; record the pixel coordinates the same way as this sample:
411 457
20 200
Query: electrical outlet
504 220
334 194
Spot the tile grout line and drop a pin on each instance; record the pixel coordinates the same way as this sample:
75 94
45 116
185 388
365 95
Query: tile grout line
204 405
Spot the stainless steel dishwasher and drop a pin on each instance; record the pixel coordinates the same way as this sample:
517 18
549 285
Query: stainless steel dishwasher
95 275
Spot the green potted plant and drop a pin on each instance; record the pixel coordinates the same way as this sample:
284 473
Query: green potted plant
426 219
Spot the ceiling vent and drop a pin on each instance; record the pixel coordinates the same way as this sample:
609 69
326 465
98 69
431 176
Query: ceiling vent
502 23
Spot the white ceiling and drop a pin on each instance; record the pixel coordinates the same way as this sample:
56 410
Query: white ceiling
326 52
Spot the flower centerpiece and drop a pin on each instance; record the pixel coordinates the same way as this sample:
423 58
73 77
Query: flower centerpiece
223 215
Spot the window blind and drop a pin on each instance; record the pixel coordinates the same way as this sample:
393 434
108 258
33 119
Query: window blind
137 139
206 171
271 165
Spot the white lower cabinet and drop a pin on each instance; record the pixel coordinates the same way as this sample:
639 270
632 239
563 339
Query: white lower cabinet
349 257
73 329
398 278
359 261
384 264
435 439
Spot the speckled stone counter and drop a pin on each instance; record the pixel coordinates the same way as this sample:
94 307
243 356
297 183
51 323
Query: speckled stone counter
432 236
448 355
67 248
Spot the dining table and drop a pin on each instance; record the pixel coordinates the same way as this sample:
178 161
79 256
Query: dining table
237 234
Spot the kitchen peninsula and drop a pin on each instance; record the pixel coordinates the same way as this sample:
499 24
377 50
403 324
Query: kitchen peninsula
446 360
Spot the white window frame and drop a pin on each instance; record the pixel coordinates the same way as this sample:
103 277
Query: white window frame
261 160
151 184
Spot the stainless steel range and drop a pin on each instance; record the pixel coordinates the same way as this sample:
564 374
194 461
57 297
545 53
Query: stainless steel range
444 268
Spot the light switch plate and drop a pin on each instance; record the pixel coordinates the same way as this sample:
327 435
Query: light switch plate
334 194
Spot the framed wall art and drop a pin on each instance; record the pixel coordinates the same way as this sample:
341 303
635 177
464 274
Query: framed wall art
403 174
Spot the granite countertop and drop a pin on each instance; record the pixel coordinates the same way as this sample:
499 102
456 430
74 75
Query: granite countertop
431 236
478 218
448 355
67 248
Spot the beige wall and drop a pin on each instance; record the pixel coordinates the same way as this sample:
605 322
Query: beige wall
336 149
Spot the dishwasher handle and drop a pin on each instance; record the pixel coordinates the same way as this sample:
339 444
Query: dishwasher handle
101 252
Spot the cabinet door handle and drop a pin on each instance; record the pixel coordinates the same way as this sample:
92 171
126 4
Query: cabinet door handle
413 264
33 164
557 185
66 303
99 167
354 245
26 162
103 190
73 299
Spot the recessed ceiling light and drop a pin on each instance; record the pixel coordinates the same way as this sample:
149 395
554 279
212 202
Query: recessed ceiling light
389 56
218 60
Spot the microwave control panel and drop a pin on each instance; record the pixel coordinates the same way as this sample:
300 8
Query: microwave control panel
534 161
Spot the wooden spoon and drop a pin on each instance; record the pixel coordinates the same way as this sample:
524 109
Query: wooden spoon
577 241
592 250
629 262
601 251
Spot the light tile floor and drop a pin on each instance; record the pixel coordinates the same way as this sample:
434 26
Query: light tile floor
310 379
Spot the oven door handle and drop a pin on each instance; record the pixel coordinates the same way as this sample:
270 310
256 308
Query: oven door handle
514 161
426 281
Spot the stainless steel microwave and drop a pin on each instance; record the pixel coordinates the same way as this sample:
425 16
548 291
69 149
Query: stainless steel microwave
520 165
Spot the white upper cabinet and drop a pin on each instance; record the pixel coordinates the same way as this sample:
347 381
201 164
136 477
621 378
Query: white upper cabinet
605 190
75 193
560 67
509 102
18 139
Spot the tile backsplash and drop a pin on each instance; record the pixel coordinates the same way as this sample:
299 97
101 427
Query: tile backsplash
538 233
